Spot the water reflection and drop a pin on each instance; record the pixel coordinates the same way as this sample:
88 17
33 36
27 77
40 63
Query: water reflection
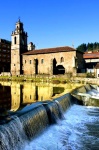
5 97
14 96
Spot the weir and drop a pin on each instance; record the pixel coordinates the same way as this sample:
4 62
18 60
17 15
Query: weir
87 95
34 119
31 121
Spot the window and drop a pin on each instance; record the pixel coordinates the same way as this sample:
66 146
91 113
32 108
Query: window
14 64
25 61
4 50
62 59
4 55
30 61
42 61
4 45
15 40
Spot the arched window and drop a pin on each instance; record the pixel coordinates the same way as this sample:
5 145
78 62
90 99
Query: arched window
62 59
15 40
30 61
42 61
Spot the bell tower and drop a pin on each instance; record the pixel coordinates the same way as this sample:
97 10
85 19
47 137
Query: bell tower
18 46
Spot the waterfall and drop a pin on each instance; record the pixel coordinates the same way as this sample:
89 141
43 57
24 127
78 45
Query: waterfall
65 101
35 121
52 115
61 115
88 98
31 121
12 135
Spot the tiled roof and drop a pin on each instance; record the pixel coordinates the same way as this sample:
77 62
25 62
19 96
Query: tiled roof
50 50
91 55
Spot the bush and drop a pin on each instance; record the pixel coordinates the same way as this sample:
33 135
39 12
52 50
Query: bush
63 82
90 75
55 81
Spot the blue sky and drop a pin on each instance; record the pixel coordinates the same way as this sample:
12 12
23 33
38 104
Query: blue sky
52 23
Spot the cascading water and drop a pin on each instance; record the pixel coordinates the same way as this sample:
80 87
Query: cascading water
34 121
88 95
76 131
94 93
61 116
12 135
30 122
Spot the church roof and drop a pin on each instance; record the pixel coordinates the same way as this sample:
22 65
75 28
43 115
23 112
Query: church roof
50 50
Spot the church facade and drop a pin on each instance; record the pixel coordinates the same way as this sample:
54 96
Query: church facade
52 61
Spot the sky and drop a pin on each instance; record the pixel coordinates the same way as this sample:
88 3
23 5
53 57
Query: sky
52 23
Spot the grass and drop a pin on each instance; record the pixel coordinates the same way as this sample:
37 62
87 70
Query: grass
55 79
38 78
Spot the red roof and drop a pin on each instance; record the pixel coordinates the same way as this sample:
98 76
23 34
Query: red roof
50 50
89 55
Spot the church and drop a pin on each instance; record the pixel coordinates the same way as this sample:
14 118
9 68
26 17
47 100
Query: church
26 60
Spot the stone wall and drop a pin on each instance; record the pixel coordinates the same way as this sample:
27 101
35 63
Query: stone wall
45 62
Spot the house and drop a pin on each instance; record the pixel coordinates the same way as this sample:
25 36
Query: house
92 62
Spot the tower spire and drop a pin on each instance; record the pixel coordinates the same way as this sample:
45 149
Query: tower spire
19 19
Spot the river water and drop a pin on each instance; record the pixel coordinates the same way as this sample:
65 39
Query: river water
14 96
78 131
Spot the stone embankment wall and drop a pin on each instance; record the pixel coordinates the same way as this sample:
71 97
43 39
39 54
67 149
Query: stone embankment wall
83 96
83 89
86 80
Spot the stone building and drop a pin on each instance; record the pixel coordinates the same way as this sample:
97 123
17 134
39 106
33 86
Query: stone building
58 60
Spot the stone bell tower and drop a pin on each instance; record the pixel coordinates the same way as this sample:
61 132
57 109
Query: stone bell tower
18 46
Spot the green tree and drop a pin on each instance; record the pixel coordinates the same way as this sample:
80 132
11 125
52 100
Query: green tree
88 47
82 47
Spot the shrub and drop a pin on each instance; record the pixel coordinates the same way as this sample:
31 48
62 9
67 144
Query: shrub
90 75
55 81
63 82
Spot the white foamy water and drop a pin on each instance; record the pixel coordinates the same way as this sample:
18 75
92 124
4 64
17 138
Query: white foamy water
94 93
78 131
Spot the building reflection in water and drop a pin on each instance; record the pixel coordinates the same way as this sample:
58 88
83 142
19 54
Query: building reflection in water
14 96
5 97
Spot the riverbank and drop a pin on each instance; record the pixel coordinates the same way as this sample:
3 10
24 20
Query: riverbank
55 79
